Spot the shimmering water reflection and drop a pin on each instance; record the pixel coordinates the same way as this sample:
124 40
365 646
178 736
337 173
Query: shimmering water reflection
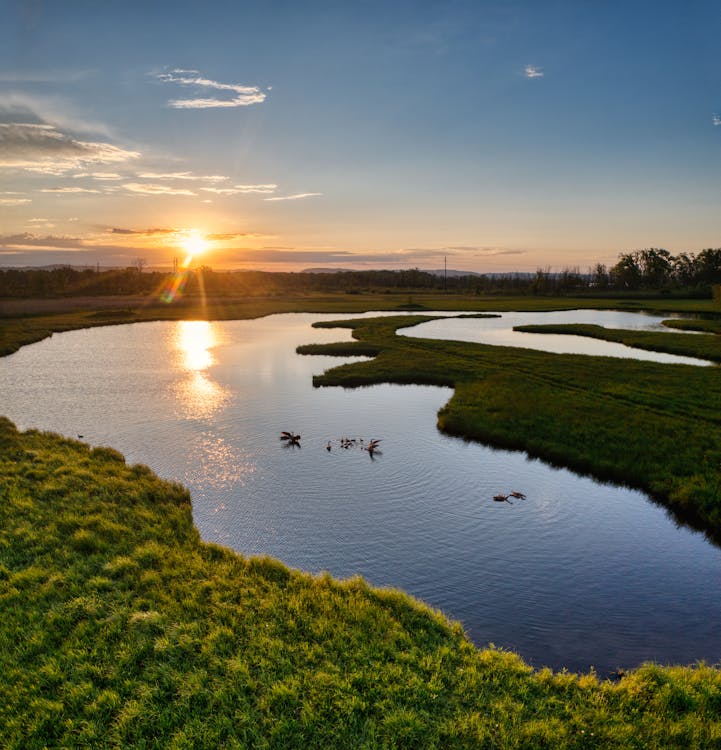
578 574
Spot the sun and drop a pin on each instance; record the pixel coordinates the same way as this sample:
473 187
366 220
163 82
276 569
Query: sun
194 244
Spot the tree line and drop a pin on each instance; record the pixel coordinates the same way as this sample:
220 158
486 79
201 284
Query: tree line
651 271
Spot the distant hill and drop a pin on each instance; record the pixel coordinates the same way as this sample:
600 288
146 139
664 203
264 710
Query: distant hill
327 270
449 272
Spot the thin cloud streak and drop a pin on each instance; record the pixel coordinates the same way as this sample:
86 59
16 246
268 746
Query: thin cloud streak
68 190
241 189
244 95
182 176
142 232
154 189
290 255
110 176
297 196
26 239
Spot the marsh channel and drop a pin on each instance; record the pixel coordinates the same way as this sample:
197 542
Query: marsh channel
579 574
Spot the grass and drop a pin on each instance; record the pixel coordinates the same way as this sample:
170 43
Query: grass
704 326
647 425
120 628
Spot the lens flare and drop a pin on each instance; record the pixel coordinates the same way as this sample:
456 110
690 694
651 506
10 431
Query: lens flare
194 244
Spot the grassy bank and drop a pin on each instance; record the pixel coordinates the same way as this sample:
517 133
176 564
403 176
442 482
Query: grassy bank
121 628
652 426
703 326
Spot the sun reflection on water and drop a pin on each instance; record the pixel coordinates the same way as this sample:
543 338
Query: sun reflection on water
194 340
197 395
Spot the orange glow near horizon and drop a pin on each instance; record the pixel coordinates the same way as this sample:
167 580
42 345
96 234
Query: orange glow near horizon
193 244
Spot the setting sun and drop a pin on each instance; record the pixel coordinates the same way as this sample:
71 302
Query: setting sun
194 244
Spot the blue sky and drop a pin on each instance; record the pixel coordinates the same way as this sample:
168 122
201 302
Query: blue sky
503 135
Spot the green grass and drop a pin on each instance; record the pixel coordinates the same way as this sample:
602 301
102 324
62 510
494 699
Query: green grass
120 628
704 326
652 426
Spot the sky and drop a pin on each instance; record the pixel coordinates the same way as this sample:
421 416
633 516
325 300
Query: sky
493 136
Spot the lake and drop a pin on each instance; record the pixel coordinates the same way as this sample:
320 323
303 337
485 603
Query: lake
578 574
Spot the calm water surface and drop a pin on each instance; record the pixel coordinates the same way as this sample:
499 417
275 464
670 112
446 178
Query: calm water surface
499 332
578 574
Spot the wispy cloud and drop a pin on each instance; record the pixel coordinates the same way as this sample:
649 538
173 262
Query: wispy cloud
149 188
68 190
716 119
295 197
461 250
240 95
143 232
326 256
240 189
531 71
182 176
27 239
43 148
14 201
110 176
227 236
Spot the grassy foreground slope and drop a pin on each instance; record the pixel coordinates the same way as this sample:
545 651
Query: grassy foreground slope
652 426
121 628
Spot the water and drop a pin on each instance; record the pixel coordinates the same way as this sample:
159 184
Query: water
499 332
578 574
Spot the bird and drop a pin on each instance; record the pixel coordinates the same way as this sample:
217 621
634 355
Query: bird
501 498
372 447
518 495
328 446
290 437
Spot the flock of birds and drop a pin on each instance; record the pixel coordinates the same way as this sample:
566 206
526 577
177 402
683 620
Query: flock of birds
372 446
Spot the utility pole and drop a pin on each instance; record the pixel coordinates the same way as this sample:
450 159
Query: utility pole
445 273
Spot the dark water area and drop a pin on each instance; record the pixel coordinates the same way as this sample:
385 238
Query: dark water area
578 574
